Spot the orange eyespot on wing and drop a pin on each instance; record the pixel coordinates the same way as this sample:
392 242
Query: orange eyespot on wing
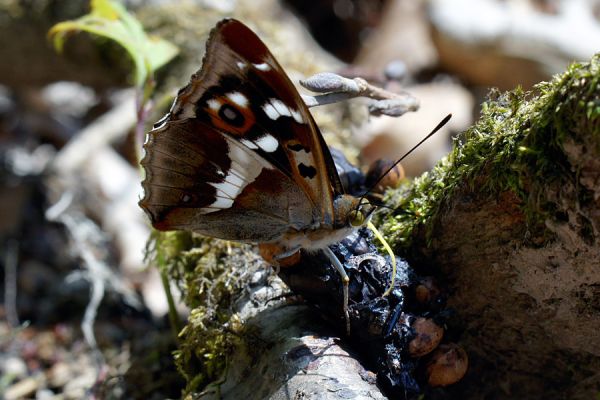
231 113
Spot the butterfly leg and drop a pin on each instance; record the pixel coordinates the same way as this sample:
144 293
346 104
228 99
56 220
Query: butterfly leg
287 253
278 257
288 257
345 282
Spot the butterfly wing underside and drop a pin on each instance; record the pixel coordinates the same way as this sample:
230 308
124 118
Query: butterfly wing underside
238 156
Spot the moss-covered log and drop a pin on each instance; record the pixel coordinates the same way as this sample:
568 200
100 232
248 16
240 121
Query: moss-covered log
511 220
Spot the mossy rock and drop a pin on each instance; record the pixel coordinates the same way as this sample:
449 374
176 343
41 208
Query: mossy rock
511 220
522 144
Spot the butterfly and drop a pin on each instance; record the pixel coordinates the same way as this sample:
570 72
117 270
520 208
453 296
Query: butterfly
239 157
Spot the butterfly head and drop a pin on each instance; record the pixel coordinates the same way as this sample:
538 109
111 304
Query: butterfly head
352 211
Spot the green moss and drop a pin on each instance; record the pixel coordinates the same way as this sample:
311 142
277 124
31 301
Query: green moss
516 146
204 270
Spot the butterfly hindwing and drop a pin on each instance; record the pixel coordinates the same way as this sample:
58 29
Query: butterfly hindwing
211 184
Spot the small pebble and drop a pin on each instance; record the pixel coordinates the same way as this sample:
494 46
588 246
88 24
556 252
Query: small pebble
14 366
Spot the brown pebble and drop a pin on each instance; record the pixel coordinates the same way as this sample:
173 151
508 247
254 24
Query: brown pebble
427 291
428 335
388 181
59 374
448 365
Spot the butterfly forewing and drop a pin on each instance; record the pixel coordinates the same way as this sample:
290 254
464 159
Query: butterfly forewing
238 149
252 99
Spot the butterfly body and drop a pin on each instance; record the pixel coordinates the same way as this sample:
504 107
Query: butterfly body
321 236
239 156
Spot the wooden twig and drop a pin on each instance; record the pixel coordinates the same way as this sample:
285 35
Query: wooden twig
86 239
336 88
115 124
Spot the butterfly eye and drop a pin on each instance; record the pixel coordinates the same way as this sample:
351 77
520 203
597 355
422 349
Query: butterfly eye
360 214
357 218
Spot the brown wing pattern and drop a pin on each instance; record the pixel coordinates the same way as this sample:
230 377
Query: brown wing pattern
274 106
237 127
191 183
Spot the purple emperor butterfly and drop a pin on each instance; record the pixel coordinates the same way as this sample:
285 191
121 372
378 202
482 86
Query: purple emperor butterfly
239 157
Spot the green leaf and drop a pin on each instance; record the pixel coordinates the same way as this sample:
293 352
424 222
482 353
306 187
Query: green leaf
109 19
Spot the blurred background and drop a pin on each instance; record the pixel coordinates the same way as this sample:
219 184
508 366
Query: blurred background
80 312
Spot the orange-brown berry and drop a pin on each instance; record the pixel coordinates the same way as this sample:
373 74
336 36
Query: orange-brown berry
427 291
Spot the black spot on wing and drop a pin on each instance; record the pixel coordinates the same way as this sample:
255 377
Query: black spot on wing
229 83
226 84
297 147
307 171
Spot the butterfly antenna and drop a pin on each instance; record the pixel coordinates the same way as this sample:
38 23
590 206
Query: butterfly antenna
377 203
437 128
380 205
372 227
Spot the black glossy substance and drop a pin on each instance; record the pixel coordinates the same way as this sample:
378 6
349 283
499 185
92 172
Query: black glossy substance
380 326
